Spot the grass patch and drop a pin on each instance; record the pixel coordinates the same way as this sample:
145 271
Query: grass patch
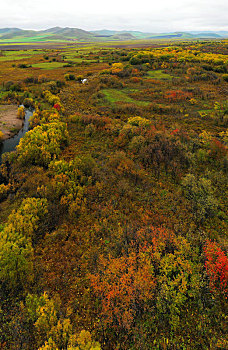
113 96
158 74
12 58
19 55
78 60
49 65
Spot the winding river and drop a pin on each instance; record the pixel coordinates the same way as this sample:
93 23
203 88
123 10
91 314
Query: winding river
10 144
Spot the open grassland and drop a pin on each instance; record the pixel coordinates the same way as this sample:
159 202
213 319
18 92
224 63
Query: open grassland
30 39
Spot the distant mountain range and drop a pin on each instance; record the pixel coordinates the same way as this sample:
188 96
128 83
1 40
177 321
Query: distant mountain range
184 35
75 34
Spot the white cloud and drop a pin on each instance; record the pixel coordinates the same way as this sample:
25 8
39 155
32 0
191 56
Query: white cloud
145 15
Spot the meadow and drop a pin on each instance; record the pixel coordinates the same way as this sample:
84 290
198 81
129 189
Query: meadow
113 207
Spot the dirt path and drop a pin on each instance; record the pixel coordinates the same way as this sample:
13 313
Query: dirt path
9 123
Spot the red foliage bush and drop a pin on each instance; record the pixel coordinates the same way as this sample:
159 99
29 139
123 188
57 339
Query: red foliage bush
217 150
57 106
135 80
174 131
217 267
177 95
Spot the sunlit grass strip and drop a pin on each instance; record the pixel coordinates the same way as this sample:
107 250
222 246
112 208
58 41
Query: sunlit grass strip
49 65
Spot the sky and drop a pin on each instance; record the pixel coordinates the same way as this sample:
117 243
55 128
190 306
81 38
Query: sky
143 15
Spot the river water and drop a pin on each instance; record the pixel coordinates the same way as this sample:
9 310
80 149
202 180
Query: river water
10 144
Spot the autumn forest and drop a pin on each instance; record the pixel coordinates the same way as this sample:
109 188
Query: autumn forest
113 205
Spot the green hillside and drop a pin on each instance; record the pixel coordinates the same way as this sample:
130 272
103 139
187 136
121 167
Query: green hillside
75 34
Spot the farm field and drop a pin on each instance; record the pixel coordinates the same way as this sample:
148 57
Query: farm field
113 207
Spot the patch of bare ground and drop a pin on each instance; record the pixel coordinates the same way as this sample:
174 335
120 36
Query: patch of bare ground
9 123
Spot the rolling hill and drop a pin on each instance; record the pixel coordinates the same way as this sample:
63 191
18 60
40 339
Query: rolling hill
18 35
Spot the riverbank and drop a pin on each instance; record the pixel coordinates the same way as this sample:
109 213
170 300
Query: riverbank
9 123
9 144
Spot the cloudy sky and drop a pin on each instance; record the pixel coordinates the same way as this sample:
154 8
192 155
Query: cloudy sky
144 15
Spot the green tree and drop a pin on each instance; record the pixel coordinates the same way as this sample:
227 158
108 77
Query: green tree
42 144
52 330
16 249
